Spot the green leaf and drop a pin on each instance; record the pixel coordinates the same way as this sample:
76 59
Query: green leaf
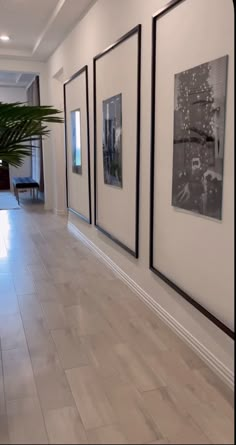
20 126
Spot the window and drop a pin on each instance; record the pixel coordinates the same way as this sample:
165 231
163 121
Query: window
76 142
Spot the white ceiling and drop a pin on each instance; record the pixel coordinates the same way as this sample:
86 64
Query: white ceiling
37 27
15 79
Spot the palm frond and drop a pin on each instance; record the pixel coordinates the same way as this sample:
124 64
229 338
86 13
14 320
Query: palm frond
20 126
15 157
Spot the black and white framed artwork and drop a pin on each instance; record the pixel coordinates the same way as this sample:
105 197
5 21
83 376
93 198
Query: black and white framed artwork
192 156
117 107
112 140
199 128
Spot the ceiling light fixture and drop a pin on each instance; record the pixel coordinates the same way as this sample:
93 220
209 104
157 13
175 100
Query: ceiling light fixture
4 38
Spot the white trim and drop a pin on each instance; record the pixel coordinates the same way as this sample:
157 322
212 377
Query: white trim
29 85
210 359
52 18
59 212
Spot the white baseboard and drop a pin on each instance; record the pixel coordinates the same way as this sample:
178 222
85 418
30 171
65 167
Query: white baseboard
59 212
206 355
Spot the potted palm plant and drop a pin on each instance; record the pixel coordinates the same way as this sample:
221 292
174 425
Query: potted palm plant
20 126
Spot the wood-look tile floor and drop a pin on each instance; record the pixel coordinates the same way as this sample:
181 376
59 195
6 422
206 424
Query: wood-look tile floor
83 360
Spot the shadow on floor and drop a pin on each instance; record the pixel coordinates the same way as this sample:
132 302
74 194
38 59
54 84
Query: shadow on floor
26 199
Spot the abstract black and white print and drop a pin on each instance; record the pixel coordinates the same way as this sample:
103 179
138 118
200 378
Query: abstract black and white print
199 127
112 140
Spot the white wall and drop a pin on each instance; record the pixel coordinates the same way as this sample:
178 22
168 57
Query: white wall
104 24
9 95
12 94
40 68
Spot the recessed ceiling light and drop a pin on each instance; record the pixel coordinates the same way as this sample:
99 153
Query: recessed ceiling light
4 38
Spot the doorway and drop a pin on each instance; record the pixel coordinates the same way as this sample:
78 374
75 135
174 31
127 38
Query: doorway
24 88
4 176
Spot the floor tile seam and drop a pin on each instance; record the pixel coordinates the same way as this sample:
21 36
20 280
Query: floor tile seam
62 370
35 380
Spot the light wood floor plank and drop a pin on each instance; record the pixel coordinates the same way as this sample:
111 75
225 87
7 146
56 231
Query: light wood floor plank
18 374
107 435
66 296
30 307
45 290
70 347
25 422
2 395
24 283
218 428
171 421
216 383
38 272
38 336
64 426
101 353
8 299
12 332
4 434
137 370
55 315
84 360
131 415
51 382
94 407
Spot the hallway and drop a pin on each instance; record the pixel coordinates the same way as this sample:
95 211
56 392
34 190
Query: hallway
83 360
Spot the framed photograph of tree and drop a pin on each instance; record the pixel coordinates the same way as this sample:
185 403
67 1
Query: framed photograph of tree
192 156
112 140
117 90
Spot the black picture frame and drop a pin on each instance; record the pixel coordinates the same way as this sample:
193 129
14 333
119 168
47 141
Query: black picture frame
82 71
137 30
166 9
